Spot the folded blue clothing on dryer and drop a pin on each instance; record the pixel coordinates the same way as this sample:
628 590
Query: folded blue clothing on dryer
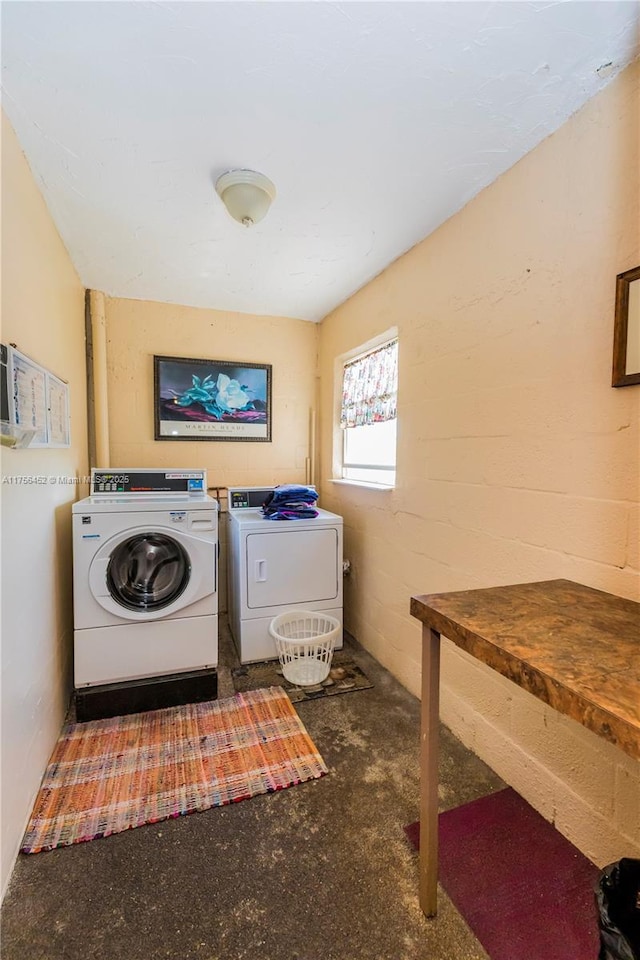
290 501
301 511
291 493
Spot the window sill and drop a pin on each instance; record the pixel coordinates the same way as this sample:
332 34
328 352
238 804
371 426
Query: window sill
363 483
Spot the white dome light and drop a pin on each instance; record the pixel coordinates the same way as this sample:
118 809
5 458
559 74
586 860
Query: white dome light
247 195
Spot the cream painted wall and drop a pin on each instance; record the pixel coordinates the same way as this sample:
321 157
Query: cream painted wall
516 459
136 330
43 314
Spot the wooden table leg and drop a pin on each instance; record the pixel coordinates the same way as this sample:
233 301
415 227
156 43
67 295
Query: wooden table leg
429 736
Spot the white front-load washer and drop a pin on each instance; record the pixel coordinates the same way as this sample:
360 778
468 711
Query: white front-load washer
145 553
278 565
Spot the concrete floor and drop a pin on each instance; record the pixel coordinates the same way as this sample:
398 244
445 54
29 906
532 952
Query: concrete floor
321 871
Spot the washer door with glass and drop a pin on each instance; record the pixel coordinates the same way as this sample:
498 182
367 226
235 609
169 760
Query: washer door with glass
149 574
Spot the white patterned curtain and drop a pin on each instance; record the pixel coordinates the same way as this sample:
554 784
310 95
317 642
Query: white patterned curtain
370 387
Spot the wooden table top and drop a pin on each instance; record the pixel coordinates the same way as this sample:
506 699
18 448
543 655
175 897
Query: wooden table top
575 648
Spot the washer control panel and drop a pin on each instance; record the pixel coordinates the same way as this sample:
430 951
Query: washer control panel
247 497
149 481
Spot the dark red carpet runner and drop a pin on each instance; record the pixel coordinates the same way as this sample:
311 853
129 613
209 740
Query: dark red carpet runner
526 892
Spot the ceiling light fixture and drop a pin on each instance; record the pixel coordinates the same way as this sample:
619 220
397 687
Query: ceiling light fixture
247 195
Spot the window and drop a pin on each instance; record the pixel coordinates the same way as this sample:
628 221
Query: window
368 416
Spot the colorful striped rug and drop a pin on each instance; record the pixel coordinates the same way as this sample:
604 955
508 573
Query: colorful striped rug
111 775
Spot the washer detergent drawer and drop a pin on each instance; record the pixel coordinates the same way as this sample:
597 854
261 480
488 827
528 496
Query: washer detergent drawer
291 566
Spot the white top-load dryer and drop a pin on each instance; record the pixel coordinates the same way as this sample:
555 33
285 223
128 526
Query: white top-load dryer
145 554
278 565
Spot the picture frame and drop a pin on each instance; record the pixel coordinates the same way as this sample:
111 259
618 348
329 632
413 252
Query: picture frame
198 399
626 330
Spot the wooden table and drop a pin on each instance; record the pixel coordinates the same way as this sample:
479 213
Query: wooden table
573 647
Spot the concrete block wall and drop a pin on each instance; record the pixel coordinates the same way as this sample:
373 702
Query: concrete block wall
516 461
138 329
577 780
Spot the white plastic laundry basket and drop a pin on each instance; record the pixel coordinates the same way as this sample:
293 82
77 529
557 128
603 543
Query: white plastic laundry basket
305 641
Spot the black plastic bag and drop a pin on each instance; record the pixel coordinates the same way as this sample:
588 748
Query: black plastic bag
618 900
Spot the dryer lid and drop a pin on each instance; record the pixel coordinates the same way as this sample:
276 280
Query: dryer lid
254 519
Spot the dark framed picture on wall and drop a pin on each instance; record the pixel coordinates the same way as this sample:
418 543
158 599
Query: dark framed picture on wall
211 399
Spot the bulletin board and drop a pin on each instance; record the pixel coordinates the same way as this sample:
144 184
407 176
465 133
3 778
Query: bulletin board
38 400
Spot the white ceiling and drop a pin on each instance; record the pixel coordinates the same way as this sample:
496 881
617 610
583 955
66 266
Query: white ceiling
376 121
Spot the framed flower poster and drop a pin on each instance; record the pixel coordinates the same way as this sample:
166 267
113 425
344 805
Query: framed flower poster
211 399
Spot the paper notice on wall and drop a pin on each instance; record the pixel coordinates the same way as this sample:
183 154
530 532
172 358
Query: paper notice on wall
38 401
58 410
29 397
